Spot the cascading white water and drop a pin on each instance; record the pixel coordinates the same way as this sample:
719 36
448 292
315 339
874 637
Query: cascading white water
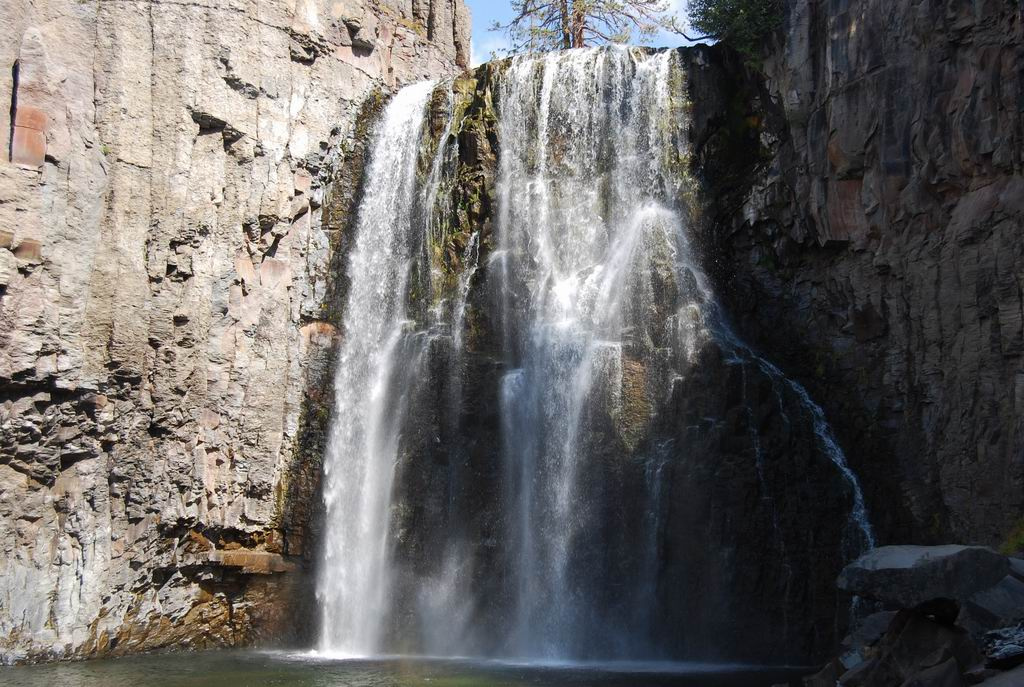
603 310
588 225
375 352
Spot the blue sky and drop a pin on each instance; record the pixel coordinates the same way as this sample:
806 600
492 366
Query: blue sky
486 12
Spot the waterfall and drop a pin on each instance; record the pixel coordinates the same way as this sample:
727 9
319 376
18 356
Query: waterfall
587 223
539 533
378 349
470 259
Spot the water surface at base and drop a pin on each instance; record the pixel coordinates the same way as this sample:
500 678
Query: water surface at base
267 669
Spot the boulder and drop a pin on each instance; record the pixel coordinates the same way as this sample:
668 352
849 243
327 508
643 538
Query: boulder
945 674
913 652
908 576
998 606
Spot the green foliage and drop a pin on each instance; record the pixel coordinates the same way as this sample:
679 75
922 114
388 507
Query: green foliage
540 25
743 24
1015 542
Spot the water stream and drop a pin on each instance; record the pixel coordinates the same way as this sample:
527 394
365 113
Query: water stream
378 350
603 312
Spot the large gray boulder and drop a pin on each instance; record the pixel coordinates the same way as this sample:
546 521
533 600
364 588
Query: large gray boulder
998 606
917 651
908 576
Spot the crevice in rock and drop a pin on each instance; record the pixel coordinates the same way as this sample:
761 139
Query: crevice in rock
15 77
244 87
431 18
210 124
69 458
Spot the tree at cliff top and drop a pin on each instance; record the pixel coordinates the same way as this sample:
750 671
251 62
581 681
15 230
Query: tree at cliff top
540 25
742 24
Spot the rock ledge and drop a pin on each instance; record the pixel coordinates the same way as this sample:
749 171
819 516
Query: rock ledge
908 576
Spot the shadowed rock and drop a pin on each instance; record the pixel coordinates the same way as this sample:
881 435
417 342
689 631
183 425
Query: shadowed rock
998 606
917 651
908 576
1012 678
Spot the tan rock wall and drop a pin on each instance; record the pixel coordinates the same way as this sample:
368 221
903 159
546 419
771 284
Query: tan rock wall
162 264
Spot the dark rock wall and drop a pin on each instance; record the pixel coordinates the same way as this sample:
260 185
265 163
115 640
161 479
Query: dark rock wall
867 236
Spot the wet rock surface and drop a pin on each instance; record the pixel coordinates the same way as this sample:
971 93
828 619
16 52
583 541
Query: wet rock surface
162 272
874 250
731 452
936 633
916 651
862 221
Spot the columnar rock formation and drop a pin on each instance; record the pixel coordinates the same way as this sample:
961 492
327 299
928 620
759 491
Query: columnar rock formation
166 292
868 246
878 253
162 270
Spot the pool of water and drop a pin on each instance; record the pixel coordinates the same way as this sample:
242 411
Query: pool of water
275 669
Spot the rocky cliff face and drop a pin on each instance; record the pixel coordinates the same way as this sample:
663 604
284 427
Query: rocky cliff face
162 272
862 191
717 495
878 254
165 293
